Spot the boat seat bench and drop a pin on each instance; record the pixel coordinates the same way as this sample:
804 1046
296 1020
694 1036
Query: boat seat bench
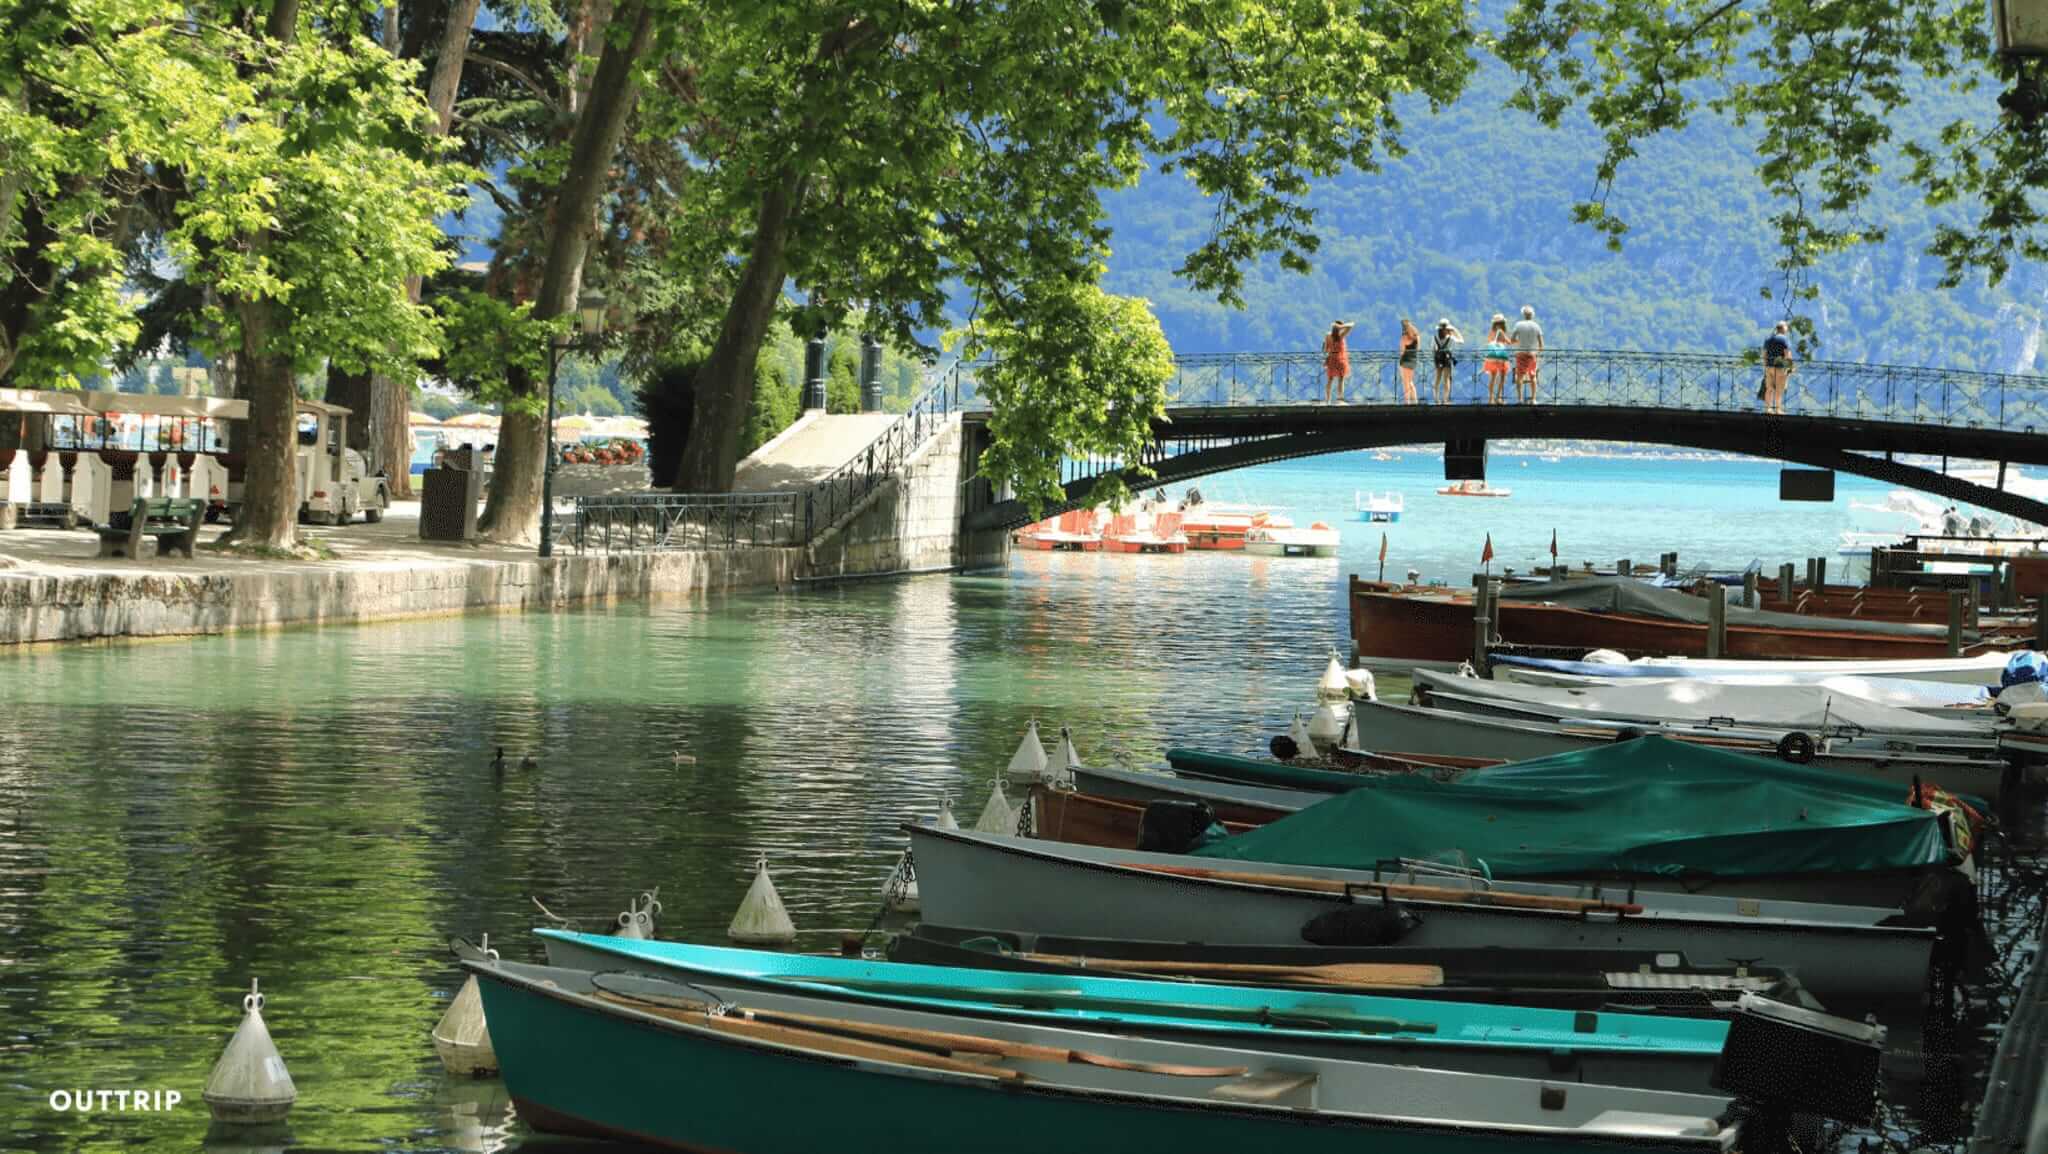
1271 1088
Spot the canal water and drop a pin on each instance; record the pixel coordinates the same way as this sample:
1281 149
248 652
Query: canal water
316 809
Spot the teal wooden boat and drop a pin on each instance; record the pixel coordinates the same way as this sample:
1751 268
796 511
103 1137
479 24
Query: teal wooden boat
1675 1053
651 1060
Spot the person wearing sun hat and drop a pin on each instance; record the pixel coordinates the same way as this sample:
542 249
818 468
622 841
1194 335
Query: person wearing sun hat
1447 334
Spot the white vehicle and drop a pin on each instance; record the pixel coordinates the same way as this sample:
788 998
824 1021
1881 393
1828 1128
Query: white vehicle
333 481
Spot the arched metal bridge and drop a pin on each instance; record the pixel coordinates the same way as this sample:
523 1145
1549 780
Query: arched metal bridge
1227 411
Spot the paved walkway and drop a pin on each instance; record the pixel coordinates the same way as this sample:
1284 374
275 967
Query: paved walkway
393 544
809 451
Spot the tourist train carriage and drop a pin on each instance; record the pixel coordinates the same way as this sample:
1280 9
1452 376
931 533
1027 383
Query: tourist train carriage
110 448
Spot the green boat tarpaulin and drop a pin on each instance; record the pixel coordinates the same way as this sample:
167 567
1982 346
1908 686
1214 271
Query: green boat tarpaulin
1651 806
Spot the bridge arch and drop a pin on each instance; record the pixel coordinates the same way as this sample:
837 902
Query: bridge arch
1229 411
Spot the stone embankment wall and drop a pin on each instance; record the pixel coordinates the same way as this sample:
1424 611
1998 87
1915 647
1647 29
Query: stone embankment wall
910 524
162 603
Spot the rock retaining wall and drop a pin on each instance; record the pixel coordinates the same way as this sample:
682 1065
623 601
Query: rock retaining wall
38 608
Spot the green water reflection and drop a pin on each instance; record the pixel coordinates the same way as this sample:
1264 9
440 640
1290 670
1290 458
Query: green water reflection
315 808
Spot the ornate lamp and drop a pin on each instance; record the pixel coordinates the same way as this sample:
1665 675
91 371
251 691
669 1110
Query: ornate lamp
2021 27
590 314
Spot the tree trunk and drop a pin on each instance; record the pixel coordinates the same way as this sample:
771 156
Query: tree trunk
725 385
353 390
269 514
382 430
270 497
512 513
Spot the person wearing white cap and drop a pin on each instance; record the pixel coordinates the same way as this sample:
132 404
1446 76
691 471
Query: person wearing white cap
1528 337
1447 334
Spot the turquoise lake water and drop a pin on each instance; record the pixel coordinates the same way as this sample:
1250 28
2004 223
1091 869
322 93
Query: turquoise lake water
313 807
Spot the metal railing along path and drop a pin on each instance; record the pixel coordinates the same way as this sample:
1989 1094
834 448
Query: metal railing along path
666 522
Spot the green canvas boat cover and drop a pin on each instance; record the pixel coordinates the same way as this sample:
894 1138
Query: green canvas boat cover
1651 806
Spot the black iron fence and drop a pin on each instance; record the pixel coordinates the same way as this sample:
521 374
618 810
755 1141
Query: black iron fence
664 522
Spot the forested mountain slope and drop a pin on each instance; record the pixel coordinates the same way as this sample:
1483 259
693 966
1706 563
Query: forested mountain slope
1476 219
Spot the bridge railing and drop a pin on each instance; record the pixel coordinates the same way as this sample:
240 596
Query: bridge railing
1666 380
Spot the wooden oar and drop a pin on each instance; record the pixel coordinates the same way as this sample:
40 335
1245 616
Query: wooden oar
910 1045
1399 890
1370 975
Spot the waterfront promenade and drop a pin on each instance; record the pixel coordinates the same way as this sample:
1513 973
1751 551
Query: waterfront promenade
54 588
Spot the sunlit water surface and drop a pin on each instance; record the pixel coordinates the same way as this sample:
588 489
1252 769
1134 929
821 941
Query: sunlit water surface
315 809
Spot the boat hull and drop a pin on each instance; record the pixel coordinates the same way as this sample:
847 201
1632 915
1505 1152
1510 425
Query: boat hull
1439 731
1024 886
577 1066
1438 628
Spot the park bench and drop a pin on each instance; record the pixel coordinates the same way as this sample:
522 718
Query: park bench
173 522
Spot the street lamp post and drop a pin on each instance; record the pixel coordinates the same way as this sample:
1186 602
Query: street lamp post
590 323
2021 26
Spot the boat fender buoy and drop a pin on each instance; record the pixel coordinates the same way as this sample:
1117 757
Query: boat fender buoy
1796 747
1284 747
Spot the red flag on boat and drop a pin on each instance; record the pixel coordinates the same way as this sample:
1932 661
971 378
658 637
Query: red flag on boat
1486 557
1383 548
1553 546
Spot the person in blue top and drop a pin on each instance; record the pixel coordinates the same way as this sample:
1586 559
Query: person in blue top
1777 367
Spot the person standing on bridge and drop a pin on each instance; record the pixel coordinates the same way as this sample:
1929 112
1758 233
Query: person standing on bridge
1447 334
1528 337
1496 362
1336 362
1777 366
1411 346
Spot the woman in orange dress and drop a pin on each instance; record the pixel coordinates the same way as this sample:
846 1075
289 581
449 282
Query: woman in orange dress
1336 362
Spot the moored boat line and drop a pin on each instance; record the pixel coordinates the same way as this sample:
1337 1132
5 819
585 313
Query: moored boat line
596 1054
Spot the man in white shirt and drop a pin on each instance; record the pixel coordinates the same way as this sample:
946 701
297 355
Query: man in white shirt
1528 338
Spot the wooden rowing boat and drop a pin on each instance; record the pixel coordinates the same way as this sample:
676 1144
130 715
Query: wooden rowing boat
639 1057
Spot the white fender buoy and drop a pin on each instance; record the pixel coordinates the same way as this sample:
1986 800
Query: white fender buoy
946 818
1354 738
900 890
998 816
1333 686
1359 686
637 922
462 1038
1327 726
249 1085
1302 740
761 920
1028 763
1066 760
